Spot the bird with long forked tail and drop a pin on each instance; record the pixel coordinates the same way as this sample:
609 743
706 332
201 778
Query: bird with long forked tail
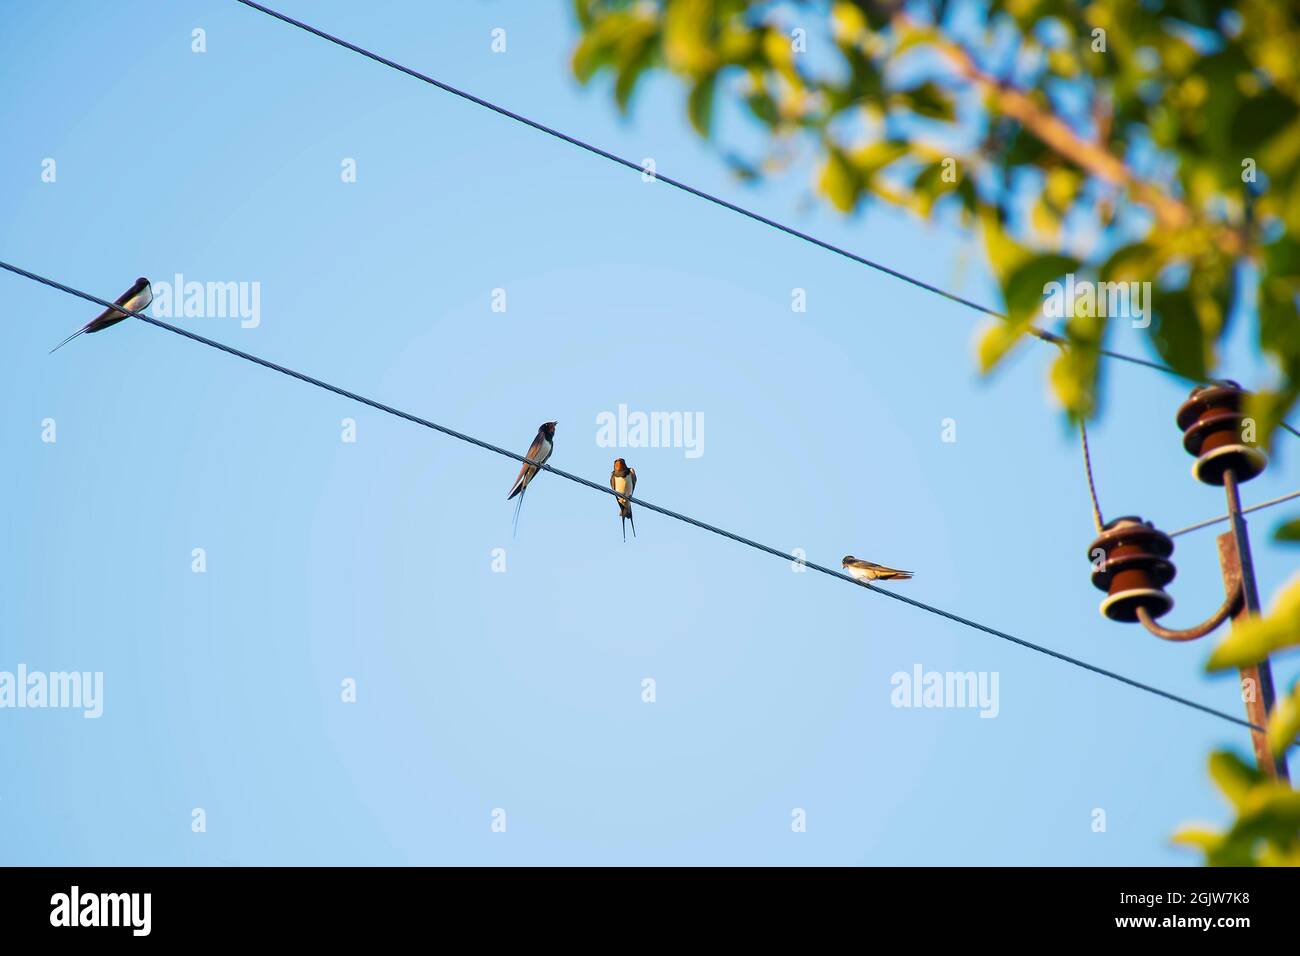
538 452
136 298
869 571
623 481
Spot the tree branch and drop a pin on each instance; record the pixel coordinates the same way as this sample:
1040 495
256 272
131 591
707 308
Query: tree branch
1058 136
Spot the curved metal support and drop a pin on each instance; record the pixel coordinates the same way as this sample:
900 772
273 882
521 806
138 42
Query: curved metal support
1226 610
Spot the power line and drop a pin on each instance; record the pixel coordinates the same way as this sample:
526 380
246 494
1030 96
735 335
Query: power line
1096 508
1092 484
1042 334
604 489
1213 521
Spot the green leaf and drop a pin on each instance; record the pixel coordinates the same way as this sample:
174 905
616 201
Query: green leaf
1288 532
1024 149
848 22
780 54
1235 778
1177 333
930 184
1005 254
1257 637
1075 371
1259 119
688 36
699 105
929 100
1267 828
874 157
763 107
1136 262
997 339
1029 286
582 12
1061 187
1282 257
1046 219
1284 725
1279 316
589 55
1024 276
634 53
1201 838
1268 407
1271 813
1218 849
839 181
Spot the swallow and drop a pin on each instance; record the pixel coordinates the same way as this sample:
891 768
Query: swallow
136 298
623 481
866 571
538 452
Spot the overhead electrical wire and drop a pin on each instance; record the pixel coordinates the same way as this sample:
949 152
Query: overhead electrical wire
1096 508
1092 484
1213 521
604 489
1042 334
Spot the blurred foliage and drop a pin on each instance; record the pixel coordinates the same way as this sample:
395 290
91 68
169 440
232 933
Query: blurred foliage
1266 831
1125 140
1253 640
1113 140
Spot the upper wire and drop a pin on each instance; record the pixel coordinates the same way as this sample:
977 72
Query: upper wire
1041 334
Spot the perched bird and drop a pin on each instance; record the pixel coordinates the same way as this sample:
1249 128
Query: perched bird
867 571
623 481
136 298
538 452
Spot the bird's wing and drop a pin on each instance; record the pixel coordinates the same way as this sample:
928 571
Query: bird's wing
138 302
884 570
631 480
526 472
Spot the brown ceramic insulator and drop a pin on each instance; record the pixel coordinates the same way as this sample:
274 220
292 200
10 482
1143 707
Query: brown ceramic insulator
1133 570
1211 421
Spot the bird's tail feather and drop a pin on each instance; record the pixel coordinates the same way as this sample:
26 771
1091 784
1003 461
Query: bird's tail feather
67 340
514 531
632 520
526 474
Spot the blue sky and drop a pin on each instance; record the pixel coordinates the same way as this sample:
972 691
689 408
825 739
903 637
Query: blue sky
372 560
